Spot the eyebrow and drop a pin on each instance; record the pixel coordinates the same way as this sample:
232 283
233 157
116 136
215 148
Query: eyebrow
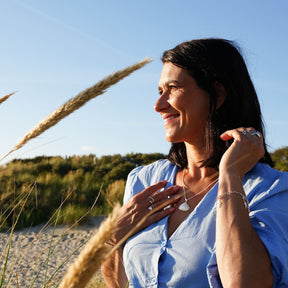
168 82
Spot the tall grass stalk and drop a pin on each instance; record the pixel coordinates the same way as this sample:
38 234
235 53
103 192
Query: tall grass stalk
50 251
50 280
76 102
92 256
11 208
19 260
4 98
96 252
67 230
10 239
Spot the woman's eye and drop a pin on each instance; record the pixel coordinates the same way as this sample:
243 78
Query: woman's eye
170 87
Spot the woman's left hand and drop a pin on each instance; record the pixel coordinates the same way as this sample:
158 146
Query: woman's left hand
241 262
245 151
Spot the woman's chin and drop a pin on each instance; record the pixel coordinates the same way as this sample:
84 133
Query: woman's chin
171 139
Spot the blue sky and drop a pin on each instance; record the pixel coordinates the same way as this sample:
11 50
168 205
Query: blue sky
52 50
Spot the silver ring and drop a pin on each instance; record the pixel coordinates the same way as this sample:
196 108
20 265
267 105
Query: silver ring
151 199
258 134
150 208
244 132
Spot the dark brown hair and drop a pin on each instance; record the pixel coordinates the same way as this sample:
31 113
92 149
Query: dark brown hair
211 61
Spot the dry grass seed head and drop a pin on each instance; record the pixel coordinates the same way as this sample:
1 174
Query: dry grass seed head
92 256
4 98
76 102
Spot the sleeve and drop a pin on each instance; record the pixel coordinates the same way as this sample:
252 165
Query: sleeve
132 185
144 176
213 272
269 217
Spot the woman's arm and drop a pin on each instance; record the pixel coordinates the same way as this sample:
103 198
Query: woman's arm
130 220
241 256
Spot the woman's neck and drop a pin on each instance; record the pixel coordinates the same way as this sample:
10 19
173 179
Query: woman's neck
195 157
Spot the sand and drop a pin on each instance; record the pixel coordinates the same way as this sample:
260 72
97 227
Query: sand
37 257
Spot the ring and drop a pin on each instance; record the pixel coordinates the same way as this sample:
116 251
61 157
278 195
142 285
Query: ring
258 134
151 199
150 208
244 132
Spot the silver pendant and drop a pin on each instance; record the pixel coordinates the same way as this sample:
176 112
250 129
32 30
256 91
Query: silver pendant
184 206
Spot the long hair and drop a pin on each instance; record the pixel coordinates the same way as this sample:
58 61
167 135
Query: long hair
211 61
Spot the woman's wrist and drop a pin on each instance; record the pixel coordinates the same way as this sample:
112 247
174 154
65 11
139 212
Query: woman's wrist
229 181
230 186
219 198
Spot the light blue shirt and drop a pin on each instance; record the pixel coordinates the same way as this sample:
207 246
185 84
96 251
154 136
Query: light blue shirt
188 257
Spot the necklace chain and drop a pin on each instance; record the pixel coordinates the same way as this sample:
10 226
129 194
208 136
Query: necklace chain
185 206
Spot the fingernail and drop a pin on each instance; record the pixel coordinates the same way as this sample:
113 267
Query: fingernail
171 209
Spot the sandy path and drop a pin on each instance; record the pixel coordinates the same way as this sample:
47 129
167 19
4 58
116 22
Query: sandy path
38 256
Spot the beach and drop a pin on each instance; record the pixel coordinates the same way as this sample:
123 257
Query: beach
37 254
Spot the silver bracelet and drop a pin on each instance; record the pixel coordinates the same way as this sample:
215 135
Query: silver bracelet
219 197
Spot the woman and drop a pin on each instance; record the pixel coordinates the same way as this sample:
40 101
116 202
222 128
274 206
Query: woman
225 202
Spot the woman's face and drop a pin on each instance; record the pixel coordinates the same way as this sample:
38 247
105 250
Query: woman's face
183 105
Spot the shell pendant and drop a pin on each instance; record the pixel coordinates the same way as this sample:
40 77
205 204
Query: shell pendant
184 206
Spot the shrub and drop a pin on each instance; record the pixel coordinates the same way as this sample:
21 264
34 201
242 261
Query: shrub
71 214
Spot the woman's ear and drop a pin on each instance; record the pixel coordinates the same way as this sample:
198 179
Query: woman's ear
221 93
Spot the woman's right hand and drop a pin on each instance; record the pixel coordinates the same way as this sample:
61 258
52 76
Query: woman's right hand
150 203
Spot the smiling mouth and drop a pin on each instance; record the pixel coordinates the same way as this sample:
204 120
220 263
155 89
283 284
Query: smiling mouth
170 118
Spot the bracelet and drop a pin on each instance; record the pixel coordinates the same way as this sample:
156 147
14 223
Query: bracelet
218 202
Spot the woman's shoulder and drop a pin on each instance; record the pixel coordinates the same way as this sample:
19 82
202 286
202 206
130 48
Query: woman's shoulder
268 198
142 177
265 180
152 173
265 172
160 166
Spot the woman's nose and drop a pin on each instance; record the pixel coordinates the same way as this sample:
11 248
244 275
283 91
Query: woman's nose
161 104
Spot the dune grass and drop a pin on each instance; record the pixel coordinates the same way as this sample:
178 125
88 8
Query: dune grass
95 251
17 271
6 97
75 103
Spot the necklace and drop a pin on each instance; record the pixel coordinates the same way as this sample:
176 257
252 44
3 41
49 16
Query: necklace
185 206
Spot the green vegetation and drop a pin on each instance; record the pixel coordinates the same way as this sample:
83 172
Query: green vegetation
280 158
62 190
74 181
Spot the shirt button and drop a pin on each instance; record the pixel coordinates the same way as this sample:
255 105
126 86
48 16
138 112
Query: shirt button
163 244
151 281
